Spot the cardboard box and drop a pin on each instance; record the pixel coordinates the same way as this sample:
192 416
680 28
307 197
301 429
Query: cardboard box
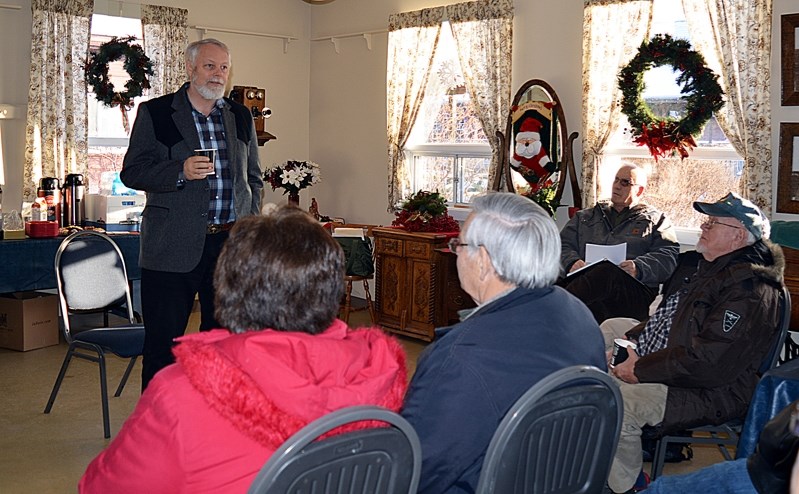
28 320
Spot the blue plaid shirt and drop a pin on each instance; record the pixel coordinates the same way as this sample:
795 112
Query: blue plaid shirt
211 131
655 335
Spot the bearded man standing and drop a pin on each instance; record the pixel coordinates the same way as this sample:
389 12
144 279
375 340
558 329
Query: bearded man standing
192 201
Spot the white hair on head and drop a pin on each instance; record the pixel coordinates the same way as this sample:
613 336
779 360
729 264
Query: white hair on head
521 238
194 48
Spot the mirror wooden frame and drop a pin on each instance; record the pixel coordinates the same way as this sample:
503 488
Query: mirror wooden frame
567 159
787 201
790 60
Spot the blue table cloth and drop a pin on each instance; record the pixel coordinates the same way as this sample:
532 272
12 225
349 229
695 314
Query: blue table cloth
28 264
775 391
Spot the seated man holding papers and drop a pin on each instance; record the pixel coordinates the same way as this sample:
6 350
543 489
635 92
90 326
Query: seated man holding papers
644 251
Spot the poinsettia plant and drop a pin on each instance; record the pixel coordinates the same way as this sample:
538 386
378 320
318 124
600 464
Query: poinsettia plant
425 212
293 176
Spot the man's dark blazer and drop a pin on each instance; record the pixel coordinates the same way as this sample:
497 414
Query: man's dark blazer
175 218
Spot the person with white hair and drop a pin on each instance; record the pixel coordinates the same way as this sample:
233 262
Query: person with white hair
523 329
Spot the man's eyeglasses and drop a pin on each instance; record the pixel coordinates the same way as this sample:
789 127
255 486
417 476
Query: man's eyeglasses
625 182
455 243
709 224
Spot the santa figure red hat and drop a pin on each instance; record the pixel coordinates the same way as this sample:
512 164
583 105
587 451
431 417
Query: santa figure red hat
529 155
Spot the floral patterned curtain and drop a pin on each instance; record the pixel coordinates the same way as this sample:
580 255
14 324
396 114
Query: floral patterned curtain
483 33
738 48
56 133
165 39
412 41
605 52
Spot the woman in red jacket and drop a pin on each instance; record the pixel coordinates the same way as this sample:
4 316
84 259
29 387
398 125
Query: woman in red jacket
209 422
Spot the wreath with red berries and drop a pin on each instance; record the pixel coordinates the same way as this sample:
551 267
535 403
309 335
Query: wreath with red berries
700 90
137 65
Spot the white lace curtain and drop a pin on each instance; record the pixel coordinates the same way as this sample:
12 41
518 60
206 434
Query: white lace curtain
165 40
56 133
483 34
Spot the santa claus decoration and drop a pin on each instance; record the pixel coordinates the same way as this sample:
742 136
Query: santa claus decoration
530 157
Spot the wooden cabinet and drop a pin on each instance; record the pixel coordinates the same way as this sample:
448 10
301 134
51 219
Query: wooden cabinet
416 282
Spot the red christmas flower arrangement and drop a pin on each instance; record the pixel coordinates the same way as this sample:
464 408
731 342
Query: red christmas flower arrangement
425 212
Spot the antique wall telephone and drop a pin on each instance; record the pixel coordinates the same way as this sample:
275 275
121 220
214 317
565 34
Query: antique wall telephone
255 100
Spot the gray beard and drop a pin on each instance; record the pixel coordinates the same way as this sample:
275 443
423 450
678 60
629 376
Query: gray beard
210 94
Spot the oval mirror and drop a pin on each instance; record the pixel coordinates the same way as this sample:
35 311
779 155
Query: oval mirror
537 148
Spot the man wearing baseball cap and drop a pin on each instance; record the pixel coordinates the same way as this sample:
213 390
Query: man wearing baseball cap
697 356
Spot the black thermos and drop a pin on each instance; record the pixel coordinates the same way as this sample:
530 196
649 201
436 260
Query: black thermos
73 207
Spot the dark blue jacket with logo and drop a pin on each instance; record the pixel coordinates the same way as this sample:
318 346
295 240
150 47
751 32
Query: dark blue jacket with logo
466 381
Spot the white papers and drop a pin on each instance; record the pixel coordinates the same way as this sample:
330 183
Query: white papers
348 232
613 253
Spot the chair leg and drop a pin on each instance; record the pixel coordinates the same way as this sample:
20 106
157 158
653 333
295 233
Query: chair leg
347 302
659 459
125 376
369 304
59 380
104 397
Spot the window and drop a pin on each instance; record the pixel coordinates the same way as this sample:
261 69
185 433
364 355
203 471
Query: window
108 140
713 168
447 149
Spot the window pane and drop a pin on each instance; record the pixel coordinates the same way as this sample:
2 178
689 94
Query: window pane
434 173
447 127
106 122
713 168
475 177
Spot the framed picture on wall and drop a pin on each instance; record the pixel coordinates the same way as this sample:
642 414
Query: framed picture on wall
790 59
788 173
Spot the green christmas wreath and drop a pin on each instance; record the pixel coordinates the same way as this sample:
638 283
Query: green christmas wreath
700 89
136 64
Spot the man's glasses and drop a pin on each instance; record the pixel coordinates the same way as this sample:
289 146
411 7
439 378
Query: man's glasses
625 182
709 224
455 243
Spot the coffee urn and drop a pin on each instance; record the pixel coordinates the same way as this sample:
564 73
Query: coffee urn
50 190
73 209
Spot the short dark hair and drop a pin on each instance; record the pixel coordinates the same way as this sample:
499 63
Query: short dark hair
282 272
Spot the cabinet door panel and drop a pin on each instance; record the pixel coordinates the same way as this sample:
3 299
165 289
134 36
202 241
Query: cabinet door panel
422 297
391 281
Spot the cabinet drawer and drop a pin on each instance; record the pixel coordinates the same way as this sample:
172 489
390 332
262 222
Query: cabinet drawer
390 246
418 250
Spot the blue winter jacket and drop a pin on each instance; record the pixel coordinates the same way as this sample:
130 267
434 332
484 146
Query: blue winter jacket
466 381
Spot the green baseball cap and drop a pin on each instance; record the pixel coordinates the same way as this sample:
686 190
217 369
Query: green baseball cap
734 206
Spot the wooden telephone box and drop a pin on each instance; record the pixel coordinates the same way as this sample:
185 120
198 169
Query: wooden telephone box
255 100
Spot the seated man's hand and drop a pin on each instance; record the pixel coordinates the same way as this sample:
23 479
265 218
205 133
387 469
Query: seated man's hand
577 265
626 370
629 268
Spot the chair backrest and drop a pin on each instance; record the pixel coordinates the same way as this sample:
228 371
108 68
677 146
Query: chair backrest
91 276
560 436
775 355
367 461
